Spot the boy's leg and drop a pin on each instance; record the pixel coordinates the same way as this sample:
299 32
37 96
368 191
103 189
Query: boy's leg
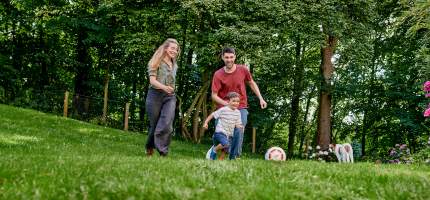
221 157
218 147
213 152
215 143
221 142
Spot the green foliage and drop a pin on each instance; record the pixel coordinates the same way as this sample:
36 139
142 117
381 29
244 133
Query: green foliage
399 154
423 156
417 22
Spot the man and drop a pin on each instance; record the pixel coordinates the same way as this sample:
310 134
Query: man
233 78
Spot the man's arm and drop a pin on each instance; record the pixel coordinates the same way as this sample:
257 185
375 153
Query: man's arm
254 87
216 86
218 100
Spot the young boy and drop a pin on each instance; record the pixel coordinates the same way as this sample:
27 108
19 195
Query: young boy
228 118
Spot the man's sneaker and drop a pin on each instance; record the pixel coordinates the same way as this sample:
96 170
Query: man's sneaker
213 153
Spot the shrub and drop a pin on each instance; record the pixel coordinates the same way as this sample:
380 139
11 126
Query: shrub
399 154
320 155
423 156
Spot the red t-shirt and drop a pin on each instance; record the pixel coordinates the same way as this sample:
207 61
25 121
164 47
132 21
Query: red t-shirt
223 83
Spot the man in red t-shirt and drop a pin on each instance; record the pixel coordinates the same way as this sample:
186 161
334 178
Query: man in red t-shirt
232 78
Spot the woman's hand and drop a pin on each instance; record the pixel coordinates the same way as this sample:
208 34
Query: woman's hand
168 89
153 81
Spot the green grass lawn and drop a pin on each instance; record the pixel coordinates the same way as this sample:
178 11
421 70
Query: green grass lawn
49 157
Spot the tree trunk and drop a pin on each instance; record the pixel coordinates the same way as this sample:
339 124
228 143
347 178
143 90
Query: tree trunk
363 143
132 100
295 101
194 106
196 118
326 70
183 90
367 122
11 92
80 100
142 109
183 94
302 128
204 116
105 92
333 134
105 97
44 78
182 68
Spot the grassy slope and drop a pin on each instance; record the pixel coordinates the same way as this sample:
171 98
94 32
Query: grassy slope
49 157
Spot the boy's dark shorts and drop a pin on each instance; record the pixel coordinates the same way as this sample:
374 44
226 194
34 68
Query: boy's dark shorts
221 138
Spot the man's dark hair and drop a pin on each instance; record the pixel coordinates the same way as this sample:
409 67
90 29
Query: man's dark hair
228 50
232 95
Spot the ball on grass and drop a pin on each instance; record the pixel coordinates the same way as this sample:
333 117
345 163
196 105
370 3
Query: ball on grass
275 153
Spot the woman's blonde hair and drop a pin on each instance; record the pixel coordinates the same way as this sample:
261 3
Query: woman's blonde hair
155 61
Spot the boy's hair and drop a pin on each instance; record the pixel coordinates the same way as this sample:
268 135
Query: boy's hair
232 95
228 50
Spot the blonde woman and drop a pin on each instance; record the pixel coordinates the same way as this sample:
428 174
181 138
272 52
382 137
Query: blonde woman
161 99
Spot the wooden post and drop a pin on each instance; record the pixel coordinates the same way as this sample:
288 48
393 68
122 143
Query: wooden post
105 99
127 107
66 103
254 132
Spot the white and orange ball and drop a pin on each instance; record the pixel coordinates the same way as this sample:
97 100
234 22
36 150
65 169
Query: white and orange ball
275 153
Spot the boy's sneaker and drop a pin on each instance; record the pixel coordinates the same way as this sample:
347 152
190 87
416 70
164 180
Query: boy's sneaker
208 153
212 155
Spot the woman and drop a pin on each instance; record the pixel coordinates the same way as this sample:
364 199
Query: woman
161 100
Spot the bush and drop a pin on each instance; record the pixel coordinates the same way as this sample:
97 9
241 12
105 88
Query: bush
423 156
399 154
2 95
320 155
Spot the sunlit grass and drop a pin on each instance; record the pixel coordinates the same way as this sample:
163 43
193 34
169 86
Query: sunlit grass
50 157
16 139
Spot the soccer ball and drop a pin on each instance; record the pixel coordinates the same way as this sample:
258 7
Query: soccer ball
275 153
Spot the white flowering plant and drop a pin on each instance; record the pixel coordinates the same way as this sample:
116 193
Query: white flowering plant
320 155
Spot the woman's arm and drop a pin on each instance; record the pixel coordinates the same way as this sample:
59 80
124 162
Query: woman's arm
153 81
